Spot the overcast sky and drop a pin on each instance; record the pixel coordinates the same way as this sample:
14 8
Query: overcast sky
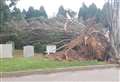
51 6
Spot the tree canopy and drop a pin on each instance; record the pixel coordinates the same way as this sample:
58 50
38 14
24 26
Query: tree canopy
61 12
35 12
83 11
5 14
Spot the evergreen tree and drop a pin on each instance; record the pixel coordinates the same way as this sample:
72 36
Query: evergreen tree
5 14
98 15
17 14
61 12
83 11
43 12
92 10
24 12
106 14
30 12
36 13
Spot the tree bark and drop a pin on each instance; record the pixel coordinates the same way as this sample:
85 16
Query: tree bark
115 27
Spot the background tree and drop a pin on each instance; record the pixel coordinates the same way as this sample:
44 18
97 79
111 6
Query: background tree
61 12
106 15
16 13
5 17
83 11
43 12
30 13
5 14
33 13
89 12
99 16
24 12
92 10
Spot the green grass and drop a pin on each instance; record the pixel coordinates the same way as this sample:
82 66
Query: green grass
19 64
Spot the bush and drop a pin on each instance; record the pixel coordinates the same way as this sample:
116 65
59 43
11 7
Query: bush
39 47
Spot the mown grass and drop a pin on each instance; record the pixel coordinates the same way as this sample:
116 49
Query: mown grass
20 64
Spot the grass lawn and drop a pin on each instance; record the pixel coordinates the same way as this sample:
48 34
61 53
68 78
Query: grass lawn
18 64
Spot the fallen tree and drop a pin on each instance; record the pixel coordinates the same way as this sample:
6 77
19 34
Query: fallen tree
90 44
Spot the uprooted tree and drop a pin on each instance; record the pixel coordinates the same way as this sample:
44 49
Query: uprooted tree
91 44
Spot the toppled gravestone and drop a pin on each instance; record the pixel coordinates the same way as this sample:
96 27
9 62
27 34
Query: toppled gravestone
28 51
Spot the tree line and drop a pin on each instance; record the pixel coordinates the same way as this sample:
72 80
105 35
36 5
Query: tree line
84 13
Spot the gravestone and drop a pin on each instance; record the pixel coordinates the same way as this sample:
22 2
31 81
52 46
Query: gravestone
50 49
28 51
11 42
6 51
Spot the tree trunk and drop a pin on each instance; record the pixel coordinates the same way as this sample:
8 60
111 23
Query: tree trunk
115 27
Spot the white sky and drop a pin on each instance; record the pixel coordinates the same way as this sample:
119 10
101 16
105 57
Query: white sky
51 6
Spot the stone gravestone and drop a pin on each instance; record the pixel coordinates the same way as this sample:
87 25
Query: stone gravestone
28 51
6 51
51 49
11 42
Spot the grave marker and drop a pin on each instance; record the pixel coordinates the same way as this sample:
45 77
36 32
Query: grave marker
6 51
50 49
28 51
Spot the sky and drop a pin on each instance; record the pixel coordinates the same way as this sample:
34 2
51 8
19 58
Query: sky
51 6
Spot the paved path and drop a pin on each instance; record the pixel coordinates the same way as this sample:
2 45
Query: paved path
111 74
